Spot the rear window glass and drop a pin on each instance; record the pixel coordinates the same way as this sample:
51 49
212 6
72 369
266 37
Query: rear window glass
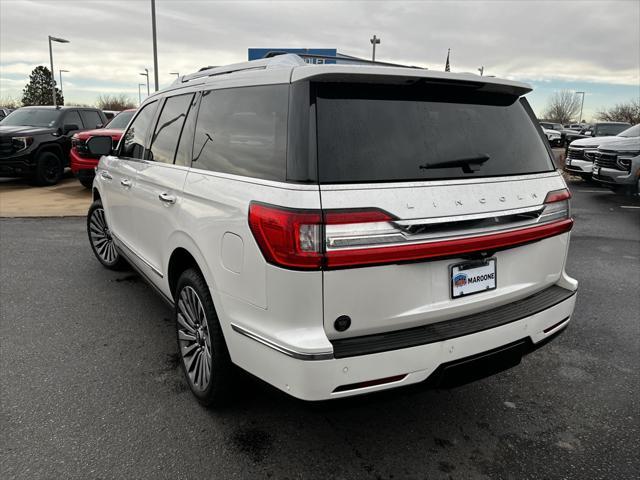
381 133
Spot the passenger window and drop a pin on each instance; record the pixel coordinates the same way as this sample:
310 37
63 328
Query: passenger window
134 141
185 145
168 128
91 119
72 118
243 131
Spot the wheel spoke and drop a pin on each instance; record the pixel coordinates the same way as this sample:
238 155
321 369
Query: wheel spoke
186 351
182 335
182 303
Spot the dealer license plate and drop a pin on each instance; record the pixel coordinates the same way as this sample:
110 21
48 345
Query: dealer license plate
473 277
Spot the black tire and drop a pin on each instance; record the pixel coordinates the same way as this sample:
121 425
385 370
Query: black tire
204 333
86 181
101 240
49 169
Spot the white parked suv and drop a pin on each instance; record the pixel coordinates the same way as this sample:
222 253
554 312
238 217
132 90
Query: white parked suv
340 229
581 153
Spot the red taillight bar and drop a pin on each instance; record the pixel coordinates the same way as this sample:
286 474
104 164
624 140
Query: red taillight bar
287 237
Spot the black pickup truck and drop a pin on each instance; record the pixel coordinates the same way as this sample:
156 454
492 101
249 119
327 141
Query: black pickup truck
35 141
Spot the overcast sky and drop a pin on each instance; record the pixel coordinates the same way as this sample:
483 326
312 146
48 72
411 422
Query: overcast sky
579 45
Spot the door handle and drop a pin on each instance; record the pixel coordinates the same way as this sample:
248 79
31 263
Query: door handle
125 182
106 175
166 198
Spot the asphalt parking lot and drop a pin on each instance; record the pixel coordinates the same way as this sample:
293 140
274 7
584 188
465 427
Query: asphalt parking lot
91 388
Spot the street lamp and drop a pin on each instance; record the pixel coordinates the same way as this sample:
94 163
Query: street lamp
53 81
581 105
155 44
146 74
481 70
177 74
139 94
60 72
374 41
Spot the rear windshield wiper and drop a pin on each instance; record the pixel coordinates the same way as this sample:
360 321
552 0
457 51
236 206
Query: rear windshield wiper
469 165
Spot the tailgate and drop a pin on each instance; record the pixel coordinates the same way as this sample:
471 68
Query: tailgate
406 294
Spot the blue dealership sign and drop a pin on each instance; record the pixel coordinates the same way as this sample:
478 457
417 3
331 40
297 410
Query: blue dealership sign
257 53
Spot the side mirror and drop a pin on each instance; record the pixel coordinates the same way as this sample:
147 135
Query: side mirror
99 146
70 127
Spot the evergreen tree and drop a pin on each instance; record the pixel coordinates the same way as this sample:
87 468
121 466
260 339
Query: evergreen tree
38 90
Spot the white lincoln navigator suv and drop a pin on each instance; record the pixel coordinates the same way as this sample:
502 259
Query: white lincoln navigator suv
340 229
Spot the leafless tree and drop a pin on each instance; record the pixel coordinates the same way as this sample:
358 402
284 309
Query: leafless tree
563 106
622 112
115 102
9 102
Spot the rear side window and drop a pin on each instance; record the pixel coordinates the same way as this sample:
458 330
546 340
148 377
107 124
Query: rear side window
134 141
378 133
243 131
73 118
185 145
91 119
168 128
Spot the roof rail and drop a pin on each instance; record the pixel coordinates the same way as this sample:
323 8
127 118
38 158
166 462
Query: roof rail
289 60
275 59
341 58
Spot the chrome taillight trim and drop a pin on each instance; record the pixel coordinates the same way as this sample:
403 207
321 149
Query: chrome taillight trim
395 233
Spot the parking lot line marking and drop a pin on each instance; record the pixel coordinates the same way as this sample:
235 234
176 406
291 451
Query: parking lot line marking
629 206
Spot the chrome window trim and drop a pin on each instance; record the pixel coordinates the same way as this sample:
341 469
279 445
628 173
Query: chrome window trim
255 180
279 348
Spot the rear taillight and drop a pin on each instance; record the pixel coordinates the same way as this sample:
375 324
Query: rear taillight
342 238
556 206
286 237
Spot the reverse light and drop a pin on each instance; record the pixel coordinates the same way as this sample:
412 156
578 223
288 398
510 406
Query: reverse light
21 143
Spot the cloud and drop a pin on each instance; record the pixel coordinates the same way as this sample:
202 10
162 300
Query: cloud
111 42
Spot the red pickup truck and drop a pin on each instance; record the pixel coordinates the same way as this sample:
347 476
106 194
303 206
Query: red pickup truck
82 163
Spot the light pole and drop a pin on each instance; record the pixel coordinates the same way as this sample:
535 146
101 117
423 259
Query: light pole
146 74
374 41
139 94
177 74
60 73
53 81
581 105
155 44
481 70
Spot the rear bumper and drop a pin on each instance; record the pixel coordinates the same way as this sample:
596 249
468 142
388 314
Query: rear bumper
322 379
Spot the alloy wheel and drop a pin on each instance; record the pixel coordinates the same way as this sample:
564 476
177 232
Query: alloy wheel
194 339
101 238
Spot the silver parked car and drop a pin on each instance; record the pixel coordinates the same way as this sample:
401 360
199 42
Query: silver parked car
617 165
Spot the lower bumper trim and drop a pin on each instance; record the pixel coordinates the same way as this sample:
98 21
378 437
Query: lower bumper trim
457 327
